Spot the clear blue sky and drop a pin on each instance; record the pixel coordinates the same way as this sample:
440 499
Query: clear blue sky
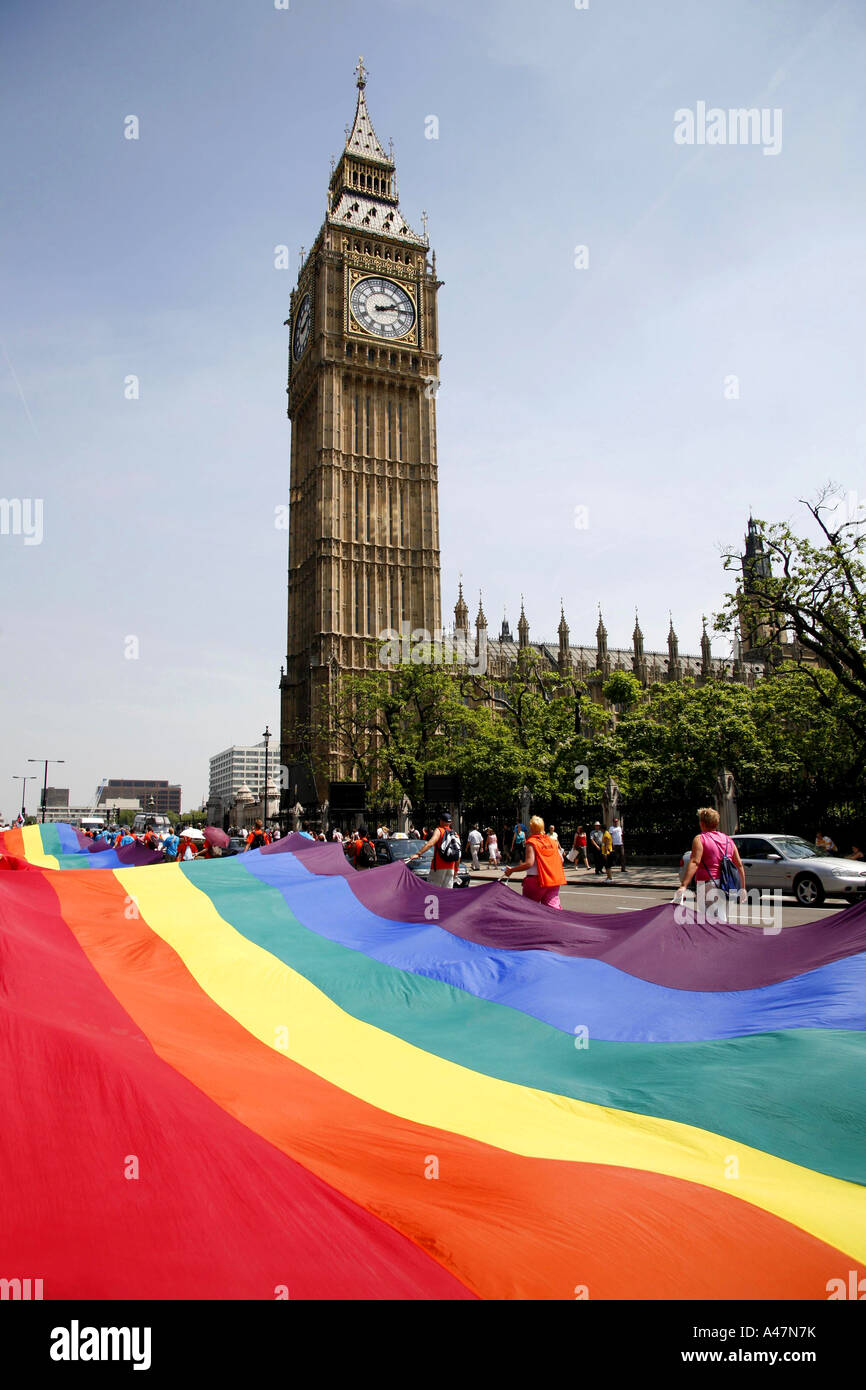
601 387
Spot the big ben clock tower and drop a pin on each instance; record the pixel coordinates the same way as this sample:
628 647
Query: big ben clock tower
363 513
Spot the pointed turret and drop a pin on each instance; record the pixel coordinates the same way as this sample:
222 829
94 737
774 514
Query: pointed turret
362 193
637 638
505 635
638 660
674 666
362 138
602 659
522 627
481 638
706 654
601 635
563 630
461 612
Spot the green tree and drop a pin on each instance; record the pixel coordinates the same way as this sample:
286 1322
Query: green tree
623 689
817 594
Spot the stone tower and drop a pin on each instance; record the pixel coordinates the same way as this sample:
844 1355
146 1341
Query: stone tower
756 634
363 513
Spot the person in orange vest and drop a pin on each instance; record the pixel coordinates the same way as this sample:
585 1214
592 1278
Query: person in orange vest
542 863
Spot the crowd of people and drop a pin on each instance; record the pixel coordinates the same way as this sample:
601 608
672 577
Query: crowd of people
182 843
597 850
534 850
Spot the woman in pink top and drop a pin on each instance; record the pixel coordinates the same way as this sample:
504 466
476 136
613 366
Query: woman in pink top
708 850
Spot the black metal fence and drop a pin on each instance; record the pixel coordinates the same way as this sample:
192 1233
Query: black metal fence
658 826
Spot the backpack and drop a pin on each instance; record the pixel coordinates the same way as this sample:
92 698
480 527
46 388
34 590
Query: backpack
258 841
728 880
448 847
366 855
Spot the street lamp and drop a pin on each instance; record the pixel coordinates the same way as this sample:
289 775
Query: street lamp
267 738
17 777
46 761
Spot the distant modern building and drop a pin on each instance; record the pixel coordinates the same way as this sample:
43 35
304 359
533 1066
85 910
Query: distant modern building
165 795
70 815
55 797
238 766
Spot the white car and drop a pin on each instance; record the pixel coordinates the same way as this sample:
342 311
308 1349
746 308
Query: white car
792 865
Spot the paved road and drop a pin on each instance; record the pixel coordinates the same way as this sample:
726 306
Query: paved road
593 897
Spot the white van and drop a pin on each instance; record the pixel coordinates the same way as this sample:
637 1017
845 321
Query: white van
161 824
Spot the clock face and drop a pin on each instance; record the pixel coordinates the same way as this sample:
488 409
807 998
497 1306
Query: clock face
382 307
301 331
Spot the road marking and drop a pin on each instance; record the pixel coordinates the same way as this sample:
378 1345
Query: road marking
640 896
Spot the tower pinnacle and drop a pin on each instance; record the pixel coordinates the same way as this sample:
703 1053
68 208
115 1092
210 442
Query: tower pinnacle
522 627
461 611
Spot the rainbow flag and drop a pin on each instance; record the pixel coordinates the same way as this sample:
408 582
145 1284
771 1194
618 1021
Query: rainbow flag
270 1076
61 846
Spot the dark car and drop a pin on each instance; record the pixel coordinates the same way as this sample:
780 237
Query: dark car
392 850
236 845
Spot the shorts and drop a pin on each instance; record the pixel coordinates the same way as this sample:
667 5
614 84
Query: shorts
441 878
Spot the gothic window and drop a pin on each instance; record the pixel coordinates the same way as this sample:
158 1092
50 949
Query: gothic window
369 490
355 487
357 600
369 425
357 444
349 349
388 422
402 516
400 430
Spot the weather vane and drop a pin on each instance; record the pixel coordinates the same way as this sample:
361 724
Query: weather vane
361 71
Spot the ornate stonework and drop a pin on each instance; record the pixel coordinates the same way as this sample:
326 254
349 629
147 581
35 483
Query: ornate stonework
363 515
